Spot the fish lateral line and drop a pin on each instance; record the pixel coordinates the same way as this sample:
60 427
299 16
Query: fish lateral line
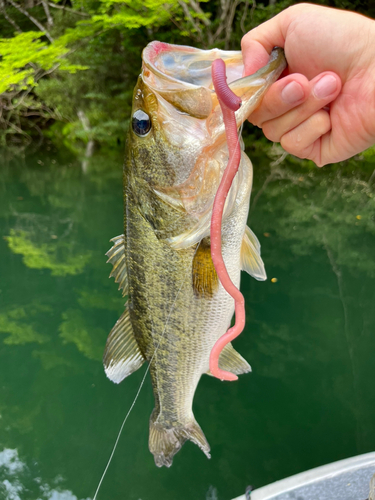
229 103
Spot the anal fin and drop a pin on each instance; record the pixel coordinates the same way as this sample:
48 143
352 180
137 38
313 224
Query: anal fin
116 256
231 361
251 261
122 355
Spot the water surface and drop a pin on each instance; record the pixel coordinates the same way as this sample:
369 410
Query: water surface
309 338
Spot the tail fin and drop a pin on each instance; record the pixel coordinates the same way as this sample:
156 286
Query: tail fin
165 442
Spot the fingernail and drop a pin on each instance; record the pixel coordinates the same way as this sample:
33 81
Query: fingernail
325 87
292 93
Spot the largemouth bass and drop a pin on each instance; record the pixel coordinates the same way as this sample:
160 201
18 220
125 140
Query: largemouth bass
177 308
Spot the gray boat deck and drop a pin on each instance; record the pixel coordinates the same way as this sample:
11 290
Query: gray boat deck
347 479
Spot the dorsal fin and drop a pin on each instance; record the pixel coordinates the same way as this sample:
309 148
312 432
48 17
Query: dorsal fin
116 256
231 361
251 261
205 279
122 355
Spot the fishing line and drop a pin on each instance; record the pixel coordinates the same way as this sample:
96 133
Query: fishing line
139 389
119 434
240 132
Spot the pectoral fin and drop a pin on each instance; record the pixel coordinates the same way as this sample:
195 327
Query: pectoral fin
251 261
116 256
122 355
193 235
230 360
205 279
172 198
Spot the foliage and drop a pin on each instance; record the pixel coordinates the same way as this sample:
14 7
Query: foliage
26 49
73 79
70 90
17 323
55 256
87 338
56 227
39 83
133 14
344 199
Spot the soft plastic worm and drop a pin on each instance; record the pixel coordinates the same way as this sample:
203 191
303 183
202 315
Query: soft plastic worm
229 103
223 92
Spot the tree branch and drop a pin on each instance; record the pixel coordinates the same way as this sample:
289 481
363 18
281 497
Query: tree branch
48 14
188 15
224 11
225 4
244 14
32 19
55 6
36 77
8 18
229 22
196 7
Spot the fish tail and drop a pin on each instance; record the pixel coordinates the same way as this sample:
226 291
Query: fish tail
166 440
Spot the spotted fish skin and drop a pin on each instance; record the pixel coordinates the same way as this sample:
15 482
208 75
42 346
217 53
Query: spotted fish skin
177 308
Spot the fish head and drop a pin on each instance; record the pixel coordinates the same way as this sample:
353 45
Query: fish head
177 138
172 100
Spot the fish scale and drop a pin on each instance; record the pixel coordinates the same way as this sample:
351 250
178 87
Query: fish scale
177 308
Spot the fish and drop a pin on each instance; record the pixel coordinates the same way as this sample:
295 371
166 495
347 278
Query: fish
176 307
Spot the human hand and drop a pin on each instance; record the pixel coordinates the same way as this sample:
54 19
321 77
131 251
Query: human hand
324 110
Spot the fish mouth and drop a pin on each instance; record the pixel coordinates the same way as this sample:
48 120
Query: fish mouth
188 66
182 76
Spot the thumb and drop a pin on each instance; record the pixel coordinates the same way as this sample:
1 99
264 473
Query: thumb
254 56
258 43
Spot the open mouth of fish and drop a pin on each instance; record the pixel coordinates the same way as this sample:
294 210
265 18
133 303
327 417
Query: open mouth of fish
172 69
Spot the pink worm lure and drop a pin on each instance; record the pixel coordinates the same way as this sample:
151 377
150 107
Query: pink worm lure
229 103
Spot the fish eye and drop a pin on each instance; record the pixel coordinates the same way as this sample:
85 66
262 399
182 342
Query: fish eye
141 123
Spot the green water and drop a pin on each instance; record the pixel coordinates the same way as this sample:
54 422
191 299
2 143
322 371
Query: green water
309 338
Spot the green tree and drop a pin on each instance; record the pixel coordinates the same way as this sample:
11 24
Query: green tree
74 77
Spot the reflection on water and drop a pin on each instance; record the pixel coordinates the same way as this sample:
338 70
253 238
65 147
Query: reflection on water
18 474
309 338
